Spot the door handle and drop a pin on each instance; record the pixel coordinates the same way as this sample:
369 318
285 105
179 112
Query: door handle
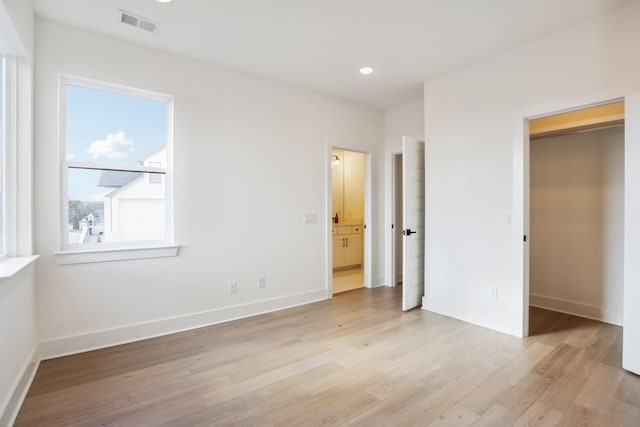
343 243
408 232
347 239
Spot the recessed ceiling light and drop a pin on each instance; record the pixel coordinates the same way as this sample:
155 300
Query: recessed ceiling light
367 70
165 1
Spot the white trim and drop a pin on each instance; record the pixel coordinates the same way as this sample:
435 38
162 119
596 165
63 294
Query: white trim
116 254
114 251
10 157
378 282
16 159
74 344
328 218
13 401
470 315
520 226
520 208
589 311
9 267
631 329
3 156
367 220
393 224
114 87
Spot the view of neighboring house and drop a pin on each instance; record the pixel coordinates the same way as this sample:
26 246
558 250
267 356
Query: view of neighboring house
91 228
135 209
133 206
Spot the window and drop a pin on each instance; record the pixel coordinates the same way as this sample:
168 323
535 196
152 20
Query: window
116 167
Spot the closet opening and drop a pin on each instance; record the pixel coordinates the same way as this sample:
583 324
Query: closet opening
576 214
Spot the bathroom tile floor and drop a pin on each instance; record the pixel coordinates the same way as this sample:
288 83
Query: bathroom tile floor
348 280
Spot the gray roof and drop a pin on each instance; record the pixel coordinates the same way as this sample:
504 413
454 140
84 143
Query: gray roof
117 179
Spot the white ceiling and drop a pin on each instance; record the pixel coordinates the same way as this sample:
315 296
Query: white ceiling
320 44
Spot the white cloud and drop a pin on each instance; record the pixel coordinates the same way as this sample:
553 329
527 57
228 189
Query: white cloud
71 156
116 146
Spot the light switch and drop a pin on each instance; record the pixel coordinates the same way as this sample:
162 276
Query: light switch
506 218
309 218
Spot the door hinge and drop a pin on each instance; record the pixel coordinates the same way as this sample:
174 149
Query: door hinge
525 237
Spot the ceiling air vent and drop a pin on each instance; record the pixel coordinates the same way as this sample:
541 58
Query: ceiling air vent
138 21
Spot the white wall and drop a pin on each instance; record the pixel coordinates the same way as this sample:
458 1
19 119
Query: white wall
21 16
404 120
354 171
577 224
474 132
18 333
250 159
18 341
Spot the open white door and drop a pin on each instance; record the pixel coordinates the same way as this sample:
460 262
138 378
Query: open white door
413 223
631 325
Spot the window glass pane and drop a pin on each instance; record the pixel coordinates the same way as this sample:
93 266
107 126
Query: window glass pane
115 206
113 128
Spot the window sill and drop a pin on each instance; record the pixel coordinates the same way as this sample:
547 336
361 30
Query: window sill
121 254
11 266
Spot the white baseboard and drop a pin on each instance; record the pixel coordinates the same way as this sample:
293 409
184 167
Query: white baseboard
378 281
497 322
13 402
107 338
615 317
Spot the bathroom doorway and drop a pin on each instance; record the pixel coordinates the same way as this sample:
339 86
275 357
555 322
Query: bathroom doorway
348 220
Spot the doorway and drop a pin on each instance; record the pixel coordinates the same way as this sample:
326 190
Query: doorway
348 177
576 212
397 224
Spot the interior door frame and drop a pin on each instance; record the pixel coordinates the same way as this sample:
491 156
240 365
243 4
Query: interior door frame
394 222
521 197
368 216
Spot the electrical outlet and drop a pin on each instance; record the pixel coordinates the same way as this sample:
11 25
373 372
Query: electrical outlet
262 282
233 287
493 293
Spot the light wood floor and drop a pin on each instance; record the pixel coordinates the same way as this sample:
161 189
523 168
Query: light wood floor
354 360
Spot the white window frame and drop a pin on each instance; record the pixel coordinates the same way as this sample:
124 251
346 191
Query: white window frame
15 143
113 251
3 158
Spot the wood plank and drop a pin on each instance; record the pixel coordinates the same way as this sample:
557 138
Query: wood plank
356 359
539 415
603 383
576 415
496 415
629 390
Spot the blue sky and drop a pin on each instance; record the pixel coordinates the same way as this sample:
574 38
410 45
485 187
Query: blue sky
111 128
